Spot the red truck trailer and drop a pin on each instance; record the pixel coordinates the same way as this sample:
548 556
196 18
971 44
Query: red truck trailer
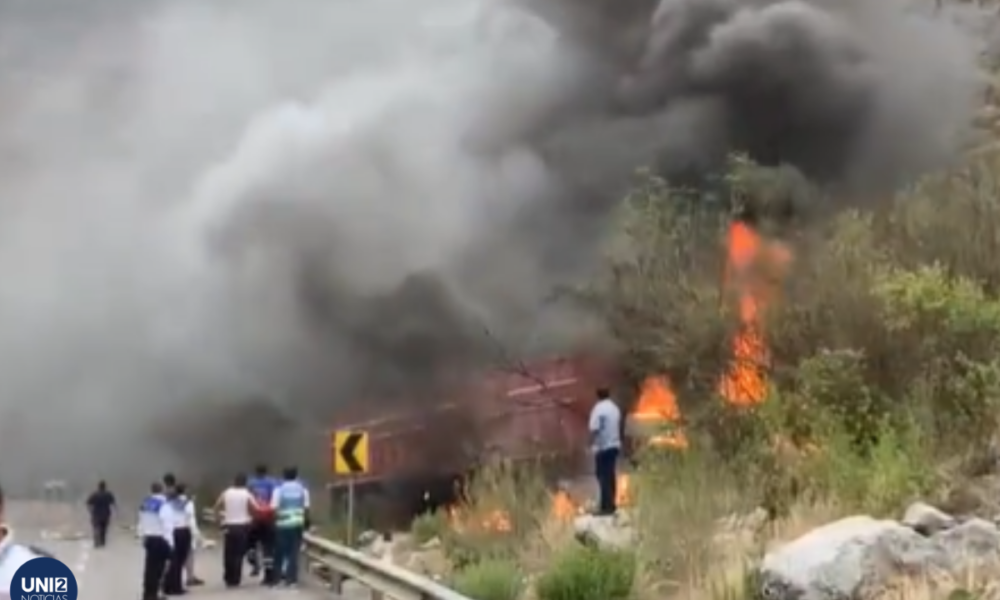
534 411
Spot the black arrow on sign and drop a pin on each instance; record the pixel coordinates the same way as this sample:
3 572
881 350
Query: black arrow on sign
347 452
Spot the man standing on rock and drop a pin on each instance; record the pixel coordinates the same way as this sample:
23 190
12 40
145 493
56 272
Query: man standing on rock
606 443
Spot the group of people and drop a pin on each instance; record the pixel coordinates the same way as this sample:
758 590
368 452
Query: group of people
263 520
168 527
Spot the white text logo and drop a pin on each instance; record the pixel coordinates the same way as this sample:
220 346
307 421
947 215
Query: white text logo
44 584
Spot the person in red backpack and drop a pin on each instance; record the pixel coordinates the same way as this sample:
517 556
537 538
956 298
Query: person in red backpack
262 535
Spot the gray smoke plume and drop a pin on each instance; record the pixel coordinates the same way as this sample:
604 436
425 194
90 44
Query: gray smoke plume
227 219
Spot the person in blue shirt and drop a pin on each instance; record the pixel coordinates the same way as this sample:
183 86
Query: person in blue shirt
290 502
606 443
156 529
260 551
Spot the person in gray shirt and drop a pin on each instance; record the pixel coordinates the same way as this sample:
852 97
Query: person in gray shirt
606 443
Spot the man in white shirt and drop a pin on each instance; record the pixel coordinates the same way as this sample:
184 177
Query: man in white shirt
237 506
156 529
12 555
606 443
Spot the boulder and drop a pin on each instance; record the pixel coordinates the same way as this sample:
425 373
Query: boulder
927 520
615 532
844 558
972 545
855 556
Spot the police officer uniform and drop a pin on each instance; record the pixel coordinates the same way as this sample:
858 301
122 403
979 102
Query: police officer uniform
156 530
12 556
291 503
180 521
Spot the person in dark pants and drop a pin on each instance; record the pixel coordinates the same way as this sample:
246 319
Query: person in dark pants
101 504
234 549
605 437
237 506
173 579
291 503
154 527
260 550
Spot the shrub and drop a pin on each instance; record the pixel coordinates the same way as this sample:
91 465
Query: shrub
428 526
490 580
587 573
502 505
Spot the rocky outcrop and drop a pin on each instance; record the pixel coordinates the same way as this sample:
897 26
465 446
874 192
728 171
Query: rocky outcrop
927 520
614 531
860 555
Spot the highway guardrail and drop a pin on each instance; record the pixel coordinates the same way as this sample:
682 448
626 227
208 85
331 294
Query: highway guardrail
334 564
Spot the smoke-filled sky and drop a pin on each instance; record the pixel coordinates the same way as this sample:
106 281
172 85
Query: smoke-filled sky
304 203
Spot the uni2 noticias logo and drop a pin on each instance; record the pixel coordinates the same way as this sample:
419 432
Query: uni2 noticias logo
43 578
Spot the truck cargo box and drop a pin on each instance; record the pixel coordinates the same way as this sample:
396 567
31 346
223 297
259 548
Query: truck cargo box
537 410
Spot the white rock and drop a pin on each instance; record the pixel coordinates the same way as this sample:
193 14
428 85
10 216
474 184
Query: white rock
434 542
970 545
927 520
368 537
856 556
604 531
844 558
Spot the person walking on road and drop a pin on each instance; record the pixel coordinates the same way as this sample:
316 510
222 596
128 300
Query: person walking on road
101 505
155 527
180 521
237 506
291 505
260 551
606 441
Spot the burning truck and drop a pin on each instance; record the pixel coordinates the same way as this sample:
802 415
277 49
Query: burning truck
538 411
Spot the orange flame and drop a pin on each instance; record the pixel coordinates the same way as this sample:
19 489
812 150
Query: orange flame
493 520
564 508
657 405
750 259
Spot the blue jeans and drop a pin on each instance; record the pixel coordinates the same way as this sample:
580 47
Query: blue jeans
288 544
605 468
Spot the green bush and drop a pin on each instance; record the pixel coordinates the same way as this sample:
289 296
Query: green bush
586 573
428 526
489 580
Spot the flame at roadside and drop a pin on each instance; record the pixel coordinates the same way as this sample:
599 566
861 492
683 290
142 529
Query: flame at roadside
754 271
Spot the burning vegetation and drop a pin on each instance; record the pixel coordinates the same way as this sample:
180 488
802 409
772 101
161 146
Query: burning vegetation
754 271
879 347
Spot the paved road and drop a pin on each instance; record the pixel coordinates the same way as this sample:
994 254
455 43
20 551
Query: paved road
113 572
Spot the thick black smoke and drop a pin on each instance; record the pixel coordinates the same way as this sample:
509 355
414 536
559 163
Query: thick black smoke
197 240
